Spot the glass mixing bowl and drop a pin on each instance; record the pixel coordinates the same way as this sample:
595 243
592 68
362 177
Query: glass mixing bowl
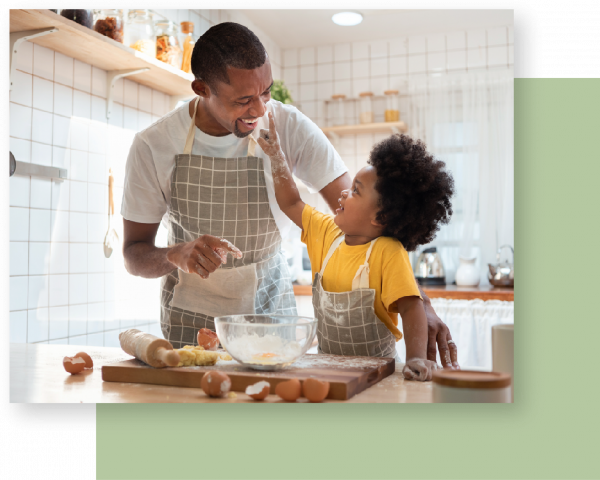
266 342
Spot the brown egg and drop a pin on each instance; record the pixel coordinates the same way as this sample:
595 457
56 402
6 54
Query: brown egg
215 384
258 391
208 339
315 390
73 364
289 390
89 363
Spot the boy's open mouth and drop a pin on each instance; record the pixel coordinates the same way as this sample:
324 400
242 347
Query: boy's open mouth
341 209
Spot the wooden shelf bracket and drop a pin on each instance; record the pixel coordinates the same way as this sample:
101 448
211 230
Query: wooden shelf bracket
16 38
111 77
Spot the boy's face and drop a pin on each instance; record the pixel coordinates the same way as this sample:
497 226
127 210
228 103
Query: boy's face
359 205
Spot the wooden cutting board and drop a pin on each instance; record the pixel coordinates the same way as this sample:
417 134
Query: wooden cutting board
347 375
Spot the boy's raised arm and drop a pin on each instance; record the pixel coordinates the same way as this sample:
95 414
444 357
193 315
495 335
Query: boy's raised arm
286 192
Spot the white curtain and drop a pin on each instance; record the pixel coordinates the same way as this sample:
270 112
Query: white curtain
466 120
470 323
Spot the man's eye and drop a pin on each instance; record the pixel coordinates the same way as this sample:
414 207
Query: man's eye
243 104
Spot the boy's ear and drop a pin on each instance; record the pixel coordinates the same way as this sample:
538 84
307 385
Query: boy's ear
376 223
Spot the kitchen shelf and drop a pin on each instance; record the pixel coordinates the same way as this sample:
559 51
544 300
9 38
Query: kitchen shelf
383 127
88 46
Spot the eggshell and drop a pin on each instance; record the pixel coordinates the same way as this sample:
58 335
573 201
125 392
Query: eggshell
89 363
73 364
315 390
289 390
258 391
208 339
215 384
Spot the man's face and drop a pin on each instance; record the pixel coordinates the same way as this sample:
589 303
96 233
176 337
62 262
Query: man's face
237 106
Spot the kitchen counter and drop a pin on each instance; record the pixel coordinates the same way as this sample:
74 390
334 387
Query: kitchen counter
37 376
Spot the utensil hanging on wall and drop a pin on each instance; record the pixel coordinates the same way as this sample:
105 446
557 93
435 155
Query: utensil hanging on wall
111 239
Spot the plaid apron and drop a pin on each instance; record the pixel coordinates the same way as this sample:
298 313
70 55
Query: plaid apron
347 324
227 198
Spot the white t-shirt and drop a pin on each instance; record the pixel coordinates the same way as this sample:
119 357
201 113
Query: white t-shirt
147 192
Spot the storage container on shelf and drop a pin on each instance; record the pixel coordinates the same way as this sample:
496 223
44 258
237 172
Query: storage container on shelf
82 17
337 112
392 110
168 49
109 22
187 29
366 108
139 32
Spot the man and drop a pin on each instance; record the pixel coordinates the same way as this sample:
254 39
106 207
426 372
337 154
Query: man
200 167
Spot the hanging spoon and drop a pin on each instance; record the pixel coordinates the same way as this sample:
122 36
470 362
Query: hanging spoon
111 238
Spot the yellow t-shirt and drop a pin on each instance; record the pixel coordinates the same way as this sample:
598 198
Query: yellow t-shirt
390 274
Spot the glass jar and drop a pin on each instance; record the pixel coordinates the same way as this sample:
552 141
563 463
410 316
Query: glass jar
167 44
82 17
337 112
187 29
392 111
109 23
139 32
366 107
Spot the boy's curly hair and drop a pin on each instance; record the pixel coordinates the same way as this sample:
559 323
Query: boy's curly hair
414 189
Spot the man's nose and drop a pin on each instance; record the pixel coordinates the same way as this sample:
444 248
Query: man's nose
258 108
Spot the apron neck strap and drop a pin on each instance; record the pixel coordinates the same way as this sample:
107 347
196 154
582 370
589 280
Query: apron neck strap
251 145
336 243
189 141
361 279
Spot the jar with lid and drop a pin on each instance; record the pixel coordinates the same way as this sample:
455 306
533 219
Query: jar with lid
82 17
366 107
187 29
109 22
337 112
139 32
392 111
168 49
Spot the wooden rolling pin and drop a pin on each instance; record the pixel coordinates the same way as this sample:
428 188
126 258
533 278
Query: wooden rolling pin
154 351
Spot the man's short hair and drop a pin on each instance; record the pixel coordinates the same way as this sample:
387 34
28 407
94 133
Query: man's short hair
226 45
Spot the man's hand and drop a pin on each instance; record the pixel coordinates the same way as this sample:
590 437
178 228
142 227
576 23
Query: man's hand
419 369
439 333
202 256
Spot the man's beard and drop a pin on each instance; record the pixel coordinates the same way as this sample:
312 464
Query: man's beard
238 133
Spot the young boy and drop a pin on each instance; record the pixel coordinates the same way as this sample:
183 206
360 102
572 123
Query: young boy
362 274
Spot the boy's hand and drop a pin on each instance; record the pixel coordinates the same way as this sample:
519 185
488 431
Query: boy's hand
269 141
419 369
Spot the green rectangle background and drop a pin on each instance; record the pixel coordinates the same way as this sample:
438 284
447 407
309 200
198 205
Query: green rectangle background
550 432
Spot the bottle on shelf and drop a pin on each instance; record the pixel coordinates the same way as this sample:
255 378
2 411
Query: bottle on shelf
366 107
109 22
337 114
139 32
187 29
82 17
392 111
167 44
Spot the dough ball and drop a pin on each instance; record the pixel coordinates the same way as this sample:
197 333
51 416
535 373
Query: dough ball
258 391
315 390
73 364
208 339
290 390
89 363
215 384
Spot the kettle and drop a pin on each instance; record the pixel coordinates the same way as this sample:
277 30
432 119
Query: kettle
429 269
502 274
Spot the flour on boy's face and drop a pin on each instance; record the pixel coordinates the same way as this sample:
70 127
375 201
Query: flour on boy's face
359 205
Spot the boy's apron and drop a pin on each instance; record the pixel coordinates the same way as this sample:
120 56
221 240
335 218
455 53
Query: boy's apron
347 324
227 198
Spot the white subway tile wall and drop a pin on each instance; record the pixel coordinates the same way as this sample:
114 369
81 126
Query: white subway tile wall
314 74
62 288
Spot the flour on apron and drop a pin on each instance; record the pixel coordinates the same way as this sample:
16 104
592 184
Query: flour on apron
227 198
347 323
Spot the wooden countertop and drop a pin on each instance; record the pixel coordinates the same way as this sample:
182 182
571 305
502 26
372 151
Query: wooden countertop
487 292
37 376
